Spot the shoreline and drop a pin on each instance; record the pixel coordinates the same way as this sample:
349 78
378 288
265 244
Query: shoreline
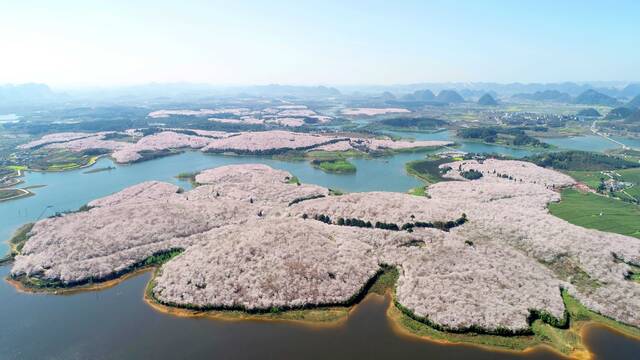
21 287
339 318
24 193
581 317
19 173
401 324
335 316
394 316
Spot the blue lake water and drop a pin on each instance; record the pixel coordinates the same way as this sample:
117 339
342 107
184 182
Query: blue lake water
584 143
466 146
69 190
632 142
117 324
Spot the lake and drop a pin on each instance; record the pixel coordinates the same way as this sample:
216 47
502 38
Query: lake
71 189
117 324
466 146
583 143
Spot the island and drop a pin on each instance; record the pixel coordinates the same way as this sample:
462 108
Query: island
502 135
479 261
151 143
336 166
9 179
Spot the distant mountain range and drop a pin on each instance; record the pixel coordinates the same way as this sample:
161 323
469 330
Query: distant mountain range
617 89
427 97
34 94
291 90
25 92
547 95
594 93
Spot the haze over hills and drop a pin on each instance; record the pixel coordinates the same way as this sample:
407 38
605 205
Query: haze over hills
594 93
592 97
622 89
619 113
449 96
590 112
420 95
445 179
25 92
546 95
635 102
487 100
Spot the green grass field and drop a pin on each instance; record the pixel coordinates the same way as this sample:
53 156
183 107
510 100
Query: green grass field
427 170
338 166
598 212
592 179
632 176
57 160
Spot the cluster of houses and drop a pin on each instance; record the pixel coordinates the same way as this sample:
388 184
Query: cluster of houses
530 119
612 183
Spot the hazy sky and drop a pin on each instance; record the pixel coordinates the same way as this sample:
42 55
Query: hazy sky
65 42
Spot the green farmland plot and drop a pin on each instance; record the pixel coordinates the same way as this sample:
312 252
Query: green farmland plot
598 212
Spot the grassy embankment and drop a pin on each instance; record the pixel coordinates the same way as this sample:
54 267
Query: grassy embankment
16 242
428 171
567 341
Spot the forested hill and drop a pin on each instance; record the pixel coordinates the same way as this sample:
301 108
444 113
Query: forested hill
581 160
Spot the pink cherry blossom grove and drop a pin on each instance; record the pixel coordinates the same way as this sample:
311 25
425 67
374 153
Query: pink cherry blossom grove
259 142
253 240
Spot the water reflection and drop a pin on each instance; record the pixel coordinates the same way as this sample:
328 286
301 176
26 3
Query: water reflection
117 324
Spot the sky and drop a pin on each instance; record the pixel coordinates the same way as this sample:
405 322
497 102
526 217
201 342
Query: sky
116 42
